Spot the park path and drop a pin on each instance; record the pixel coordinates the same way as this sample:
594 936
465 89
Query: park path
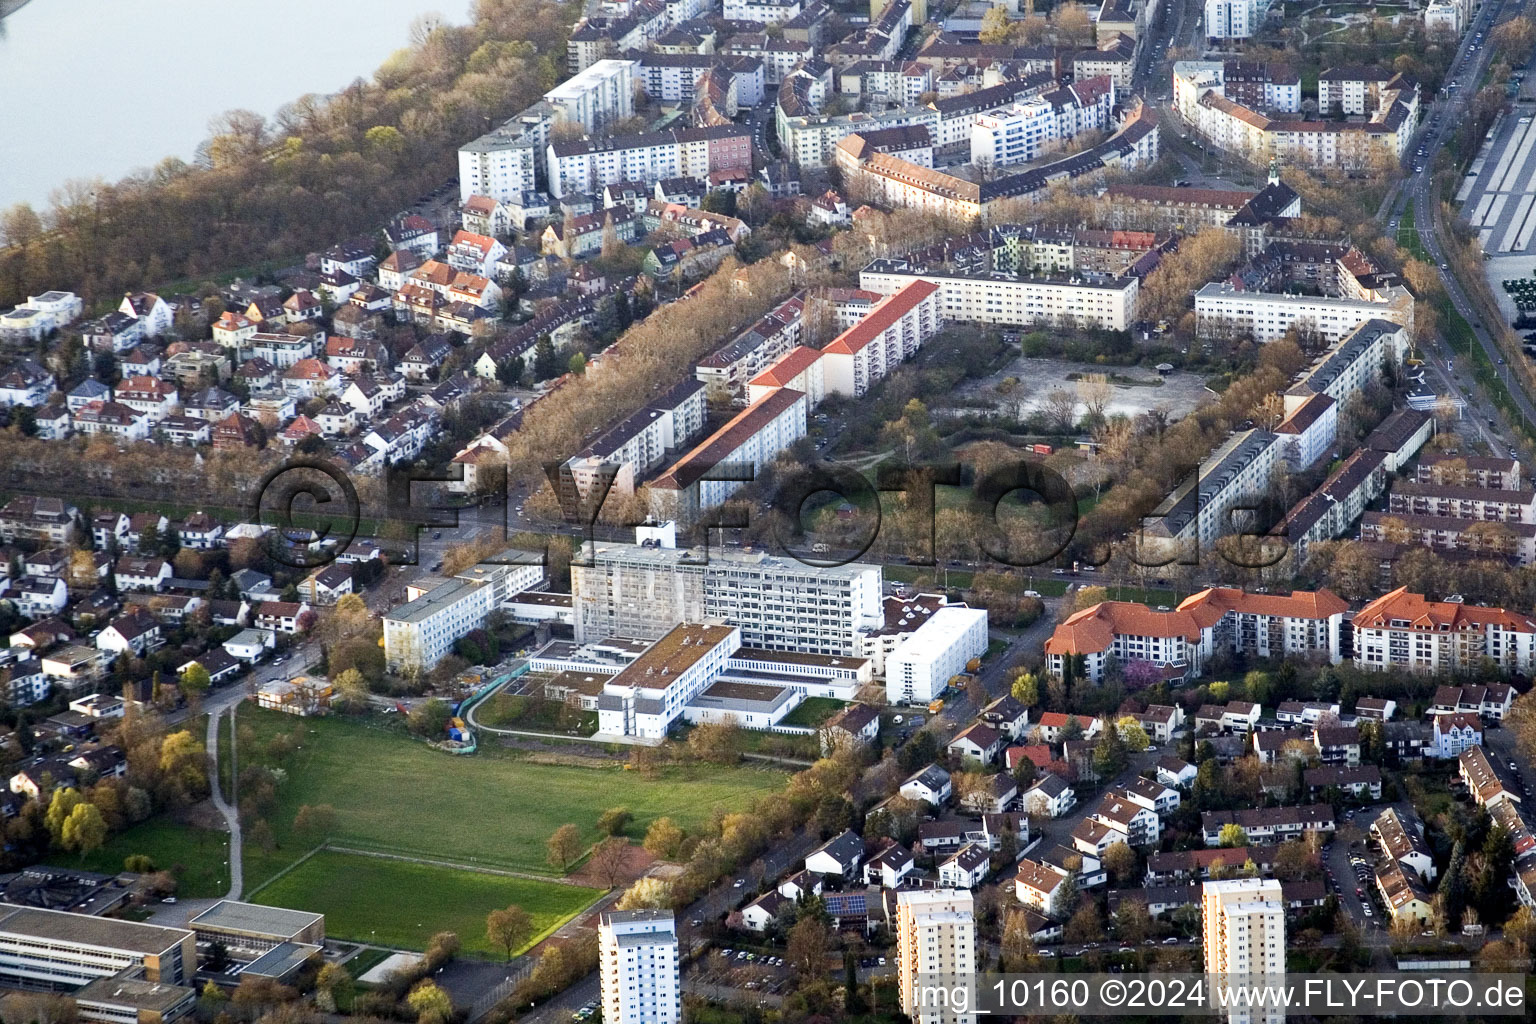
231 816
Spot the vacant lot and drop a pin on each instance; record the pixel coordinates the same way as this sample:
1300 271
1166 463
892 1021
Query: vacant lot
195 855
396 795
421 900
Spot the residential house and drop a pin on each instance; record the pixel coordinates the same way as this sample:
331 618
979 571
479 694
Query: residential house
1007 716
133 572
966 868
930 785
1052 724
889 866
282 616
1453 734
327 585
841 855
978 741
856 725
135 630
1049 797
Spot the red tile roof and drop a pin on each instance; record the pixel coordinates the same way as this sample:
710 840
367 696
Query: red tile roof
787 368
881 318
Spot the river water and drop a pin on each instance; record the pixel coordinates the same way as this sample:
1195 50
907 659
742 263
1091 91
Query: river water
99 88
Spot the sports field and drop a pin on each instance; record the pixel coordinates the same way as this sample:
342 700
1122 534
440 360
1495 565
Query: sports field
393 903
397 795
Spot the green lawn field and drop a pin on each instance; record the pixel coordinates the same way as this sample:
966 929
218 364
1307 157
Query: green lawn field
812 711
397 795
393 903
196 855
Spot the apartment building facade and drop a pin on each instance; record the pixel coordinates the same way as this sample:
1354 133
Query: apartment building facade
639 969
1403 630
1101 302
780 604
935 935
894 330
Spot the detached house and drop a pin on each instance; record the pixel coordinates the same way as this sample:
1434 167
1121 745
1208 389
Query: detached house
282 616
311 378
931 785
141 573
841 855
135 630
26 383
1007 716
1456 733
154 314
201 532
966 868
1049 797
889 866
37 597
28 517
856 725
476 254
979 741
327 585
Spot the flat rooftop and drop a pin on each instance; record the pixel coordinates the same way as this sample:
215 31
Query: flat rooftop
253 918
435 600
281 960
153 996
672 655
59 926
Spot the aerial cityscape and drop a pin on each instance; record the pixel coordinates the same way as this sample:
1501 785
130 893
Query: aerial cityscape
660 511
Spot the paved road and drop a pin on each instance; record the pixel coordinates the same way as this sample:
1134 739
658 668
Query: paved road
231 815
1452 109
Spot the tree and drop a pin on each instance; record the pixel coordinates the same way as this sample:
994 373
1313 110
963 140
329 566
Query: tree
1086 925
195 681
646 894
807 947
564 847
1132 734
1132 921
508 928
84 830
430 718
663 838
546 361
1018 943
614 820
1072 24
995 27
65 799
350 690
333 981
577 363
609 860
316 822
1026 687
510 371
431 1003
1232 835
716 743
1120 861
